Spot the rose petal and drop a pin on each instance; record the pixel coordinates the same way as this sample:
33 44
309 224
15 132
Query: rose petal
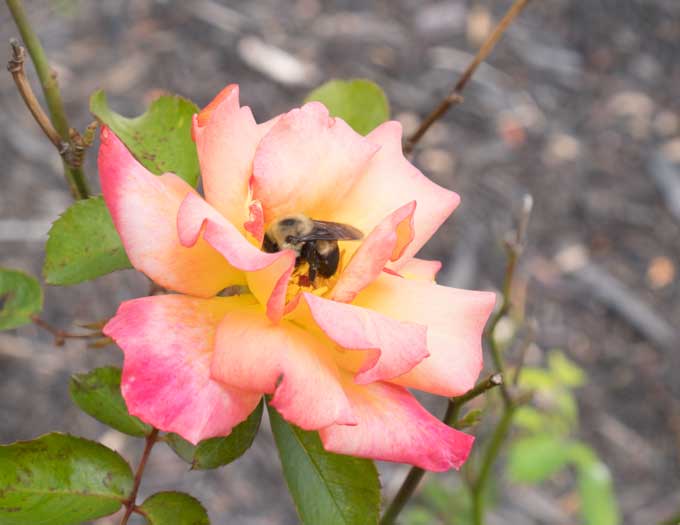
394 347
420 269
144 210
393 426
307 161
168 342
455 321
267 273
254 354
226 136
386 242
390 181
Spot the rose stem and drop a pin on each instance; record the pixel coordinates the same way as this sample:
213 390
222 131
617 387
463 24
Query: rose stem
48 81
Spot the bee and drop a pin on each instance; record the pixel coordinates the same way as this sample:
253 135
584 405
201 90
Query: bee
315 242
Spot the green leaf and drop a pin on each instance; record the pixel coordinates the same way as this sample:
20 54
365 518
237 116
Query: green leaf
536 458
83 244
174 508
530 419
360 103
598 501
20 298
97 393
59 479
219 451
160 139
326 488
565 370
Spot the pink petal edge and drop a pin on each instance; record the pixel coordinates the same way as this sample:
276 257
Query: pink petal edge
393 347
393 426
168 343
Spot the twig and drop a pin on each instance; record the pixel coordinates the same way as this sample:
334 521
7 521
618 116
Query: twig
416 473
529 338
60 335
456 403
514 247
16 67
455 97
48 81
130 503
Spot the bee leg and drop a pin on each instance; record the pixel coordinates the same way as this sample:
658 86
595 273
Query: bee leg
310 254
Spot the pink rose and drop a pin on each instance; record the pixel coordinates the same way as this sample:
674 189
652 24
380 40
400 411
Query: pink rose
338 354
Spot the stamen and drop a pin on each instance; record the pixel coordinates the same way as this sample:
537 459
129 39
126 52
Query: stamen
299 282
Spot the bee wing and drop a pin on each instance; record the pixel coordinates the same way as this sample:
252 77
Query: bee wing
332 231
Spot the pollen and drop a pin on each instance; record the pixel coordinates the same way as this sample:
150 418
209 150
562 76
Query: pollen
299 281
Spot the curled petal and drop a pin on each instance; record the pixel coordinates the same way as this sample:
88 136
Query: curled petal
267 273
455 320
420 269
394 347
306 162
144 210
390 181
226 136
393 426
254 354
385 243
168 343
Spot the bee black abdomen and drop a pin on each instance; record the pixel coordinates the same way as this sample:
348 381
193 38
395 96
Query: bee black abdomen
328 262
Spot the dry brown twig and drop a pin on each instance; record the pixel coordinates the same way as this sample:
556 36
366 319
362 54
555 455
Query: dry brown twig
455 96
60 336
73 150
16 67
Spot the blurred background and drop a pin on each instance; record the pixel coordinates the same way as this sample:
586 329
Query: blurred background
579 106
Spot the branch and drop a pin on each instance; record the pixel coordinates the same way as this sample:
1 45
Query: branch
130 503
60 335
456 403
48 81
416 474
455 96
16 67
514 247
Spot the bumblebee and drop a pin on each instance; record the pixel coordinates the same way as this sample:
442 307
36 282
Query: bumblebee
315 242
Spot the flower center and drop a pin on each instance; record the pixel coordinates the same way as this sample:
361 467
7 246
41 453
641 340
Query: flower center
300 282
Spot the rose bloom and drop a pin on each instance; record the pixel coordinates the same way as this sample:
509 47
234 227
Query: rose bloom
337 354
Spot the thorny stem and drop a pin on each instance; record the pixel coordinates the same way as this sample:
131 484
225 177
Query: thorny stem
48 81
130 503
61 335
416 474
514 247
455 96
